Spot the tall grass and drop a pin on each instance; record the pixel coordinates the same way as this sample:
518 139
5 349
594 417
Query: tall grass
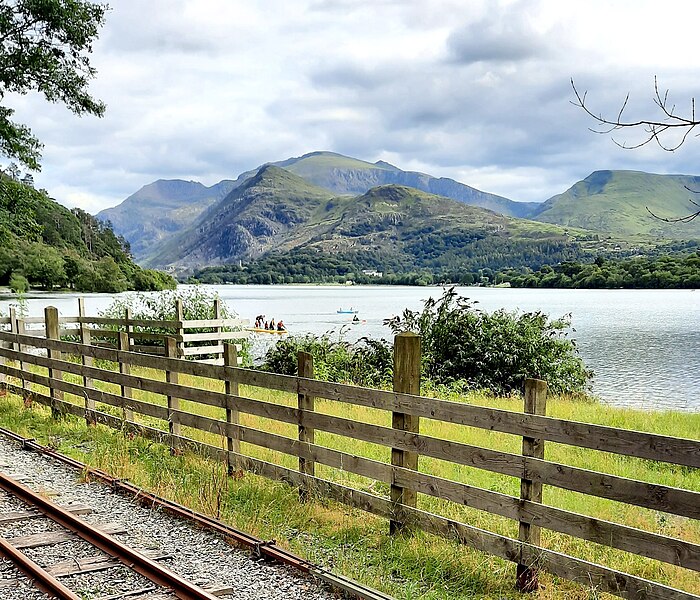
355 543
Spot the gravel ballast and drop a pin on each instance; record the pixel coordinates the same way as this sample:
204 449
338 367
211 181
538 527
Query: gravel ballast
199 555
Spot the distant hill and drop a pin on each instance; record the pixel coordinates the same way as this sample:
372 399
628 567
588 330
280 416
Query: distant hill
345 175
388 226
165 207
616 202
255 217
161 209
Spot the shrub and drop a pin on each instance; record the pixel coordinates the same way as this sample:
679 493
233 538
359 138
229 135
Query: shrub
494 351
366 362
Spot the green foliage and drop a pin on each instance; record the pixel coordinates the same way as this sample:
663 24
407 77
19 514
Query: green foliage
494 351
45 47
680 271
367 362
19 283
53 246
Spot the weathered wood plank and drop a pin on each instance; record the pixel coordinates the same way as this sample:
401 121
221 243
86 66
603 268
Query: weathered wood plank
24 515
50 538
597 437
144 408
196 350
202 323
92 564
222 335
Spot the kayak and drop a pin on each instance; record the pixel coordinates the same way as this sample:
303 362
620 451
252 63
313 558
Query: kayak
278 332
350 311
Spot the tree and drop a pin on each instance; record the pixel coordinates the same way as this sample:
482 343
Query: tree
44 47
659 131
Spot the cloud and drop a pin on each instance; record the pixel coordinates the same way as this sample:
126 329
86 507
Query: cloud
465 89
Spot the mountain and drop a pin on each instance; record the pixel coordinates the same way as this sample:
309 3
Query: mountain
165 207
390 225
255 217
161 209
618 202
344 175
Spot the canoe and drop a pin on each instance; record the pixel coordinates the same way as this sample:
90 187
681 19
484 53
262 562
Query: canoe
350 311
257 330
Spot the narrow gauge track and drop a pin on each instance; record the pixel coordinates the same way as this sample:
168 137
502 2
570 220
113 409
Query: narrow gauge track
159 575
261 548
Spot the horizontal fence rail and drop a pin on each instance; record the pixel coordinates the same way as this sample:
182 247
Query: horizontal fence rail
200 339
46 371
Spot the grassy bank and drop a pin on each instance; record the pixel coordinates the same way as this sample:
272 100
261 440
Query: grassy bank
355 543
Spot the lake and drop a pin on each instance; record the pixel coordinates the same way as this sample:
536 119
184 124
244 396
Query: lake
644 345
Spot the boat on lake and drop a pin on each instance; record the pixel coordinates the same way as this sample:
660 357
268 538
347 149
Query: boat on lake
347 311
259 330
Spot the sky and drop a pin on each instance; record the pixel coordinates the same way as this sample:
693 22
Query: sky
476 90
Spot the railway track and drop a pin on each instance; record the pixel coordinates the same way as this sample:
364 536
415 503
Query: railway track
264 553
63 524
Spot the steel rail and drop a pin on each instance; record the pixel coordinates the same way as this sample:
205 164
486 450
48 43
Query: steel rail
183 589
45 582
262 548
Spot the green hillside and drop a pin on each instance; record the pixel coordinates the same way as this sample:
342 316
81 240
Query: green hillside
345 175
151 217
44 244
617 202
389 228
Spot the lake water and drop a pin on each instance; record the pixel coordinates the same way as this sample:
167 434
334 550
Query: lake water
644 345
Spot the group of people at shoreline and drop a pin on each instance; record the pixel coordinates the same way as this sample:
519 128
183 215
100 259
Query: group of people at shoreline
261 323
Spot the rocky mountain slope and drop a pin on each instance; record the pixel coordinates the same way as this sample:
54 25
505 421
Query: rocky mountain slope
160 209
398 225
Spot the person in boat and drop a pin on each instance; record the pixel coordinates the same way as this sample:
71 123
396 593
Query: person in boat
266 325
280 326
355 319
272 325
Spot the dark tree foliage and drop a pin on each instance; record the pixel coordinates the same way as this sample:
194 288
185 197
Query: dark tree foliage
51 246
428 258
665 272
44 47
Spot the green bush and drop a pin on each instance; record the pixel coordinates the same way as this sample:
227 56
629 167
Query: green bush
367 362
493 351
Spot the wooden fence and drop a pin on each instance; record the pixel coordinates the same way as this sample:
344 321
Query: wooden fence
227 437
200 339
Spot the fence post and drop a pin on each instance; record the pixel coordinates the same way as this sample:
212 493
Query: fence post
52 333
305 366
128 327
173 402
3 362
535 404
233 443
179 331
86 340
124 369
218 330
407 361
14 328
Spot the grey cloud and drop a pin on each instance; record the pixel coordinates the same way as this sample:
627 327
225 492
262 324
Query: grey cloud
488 41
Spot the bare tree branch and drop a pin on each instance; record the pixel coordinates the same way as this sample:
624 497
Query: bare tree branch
654 131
